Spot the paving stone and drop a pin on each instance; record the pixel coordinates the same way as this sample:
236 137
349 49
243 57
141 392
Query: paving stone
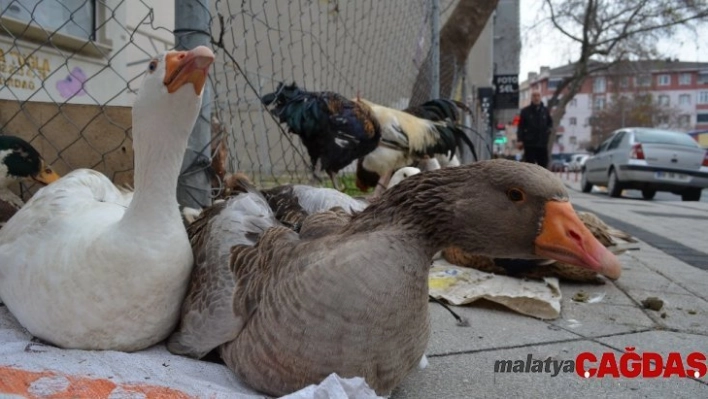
491 326
659 341
632 279
599 319
473 376
607 293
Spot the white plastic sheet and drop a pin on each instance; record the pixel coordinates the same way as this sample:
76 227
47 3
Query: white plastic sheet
29 369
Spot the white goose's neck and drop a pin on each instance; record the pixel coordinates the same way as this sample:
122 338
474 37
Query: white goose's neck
158 160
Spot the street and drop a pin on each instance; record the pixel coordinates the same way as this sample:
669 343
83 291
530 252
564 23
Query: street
661 196
571 178
671 265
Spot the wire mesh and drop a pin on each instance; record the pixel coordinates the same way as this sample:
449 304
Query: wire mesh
71 69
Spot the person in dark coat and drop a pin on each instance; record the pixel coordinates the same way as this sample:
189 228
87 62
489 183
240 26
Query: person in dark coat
534 129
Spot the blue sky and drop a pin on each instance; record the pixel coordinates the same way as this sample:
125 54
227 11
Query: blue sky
547 48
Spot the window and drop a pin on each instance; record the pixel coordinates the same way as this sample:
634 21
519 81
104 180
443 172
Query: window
702 118
599 102
573 102
573 121
624 82
598 85
702 97
616 140
662 120
703 77
553 83
664 137
685 99
664 100
685 79
70 17
643 80
663 80
684 120
603 146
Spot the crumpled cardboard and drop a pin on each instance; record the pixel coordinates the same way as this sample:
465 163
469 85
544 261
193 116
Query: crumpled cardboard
462 285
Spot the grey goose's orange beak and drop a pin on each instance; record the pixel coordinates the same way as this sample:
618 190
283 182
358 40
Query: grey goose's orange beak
565 238
183 67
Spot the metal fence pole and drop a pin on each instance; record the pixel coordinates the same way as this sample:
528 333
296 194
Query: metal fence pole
435 48
466 153
192 20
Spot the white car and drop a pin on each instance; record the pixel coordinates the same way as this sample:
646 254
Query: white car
577 161
649 160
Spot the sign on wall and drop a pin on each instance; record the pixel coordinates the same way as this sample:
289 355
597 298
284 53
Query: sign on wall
46 75
486 104
23 72
506 91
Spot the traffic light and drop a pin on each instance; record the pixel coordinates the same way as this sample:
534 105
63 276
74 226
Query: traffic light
500 140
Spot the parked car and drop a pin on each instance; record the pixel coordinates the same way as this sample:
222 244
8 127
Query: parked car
577 161
701 136
649 160
559 162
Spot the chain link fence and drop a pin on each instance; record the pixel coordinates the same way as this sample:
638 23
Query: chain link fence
70 70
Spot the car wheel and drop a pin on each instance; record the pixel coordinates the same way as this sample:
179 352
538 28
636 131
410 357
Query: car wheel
614 188
691 194
585 185
648 193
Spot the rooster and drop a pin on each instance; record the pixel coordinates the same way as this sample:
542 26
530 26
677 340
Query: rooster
443 110
417 133
334 130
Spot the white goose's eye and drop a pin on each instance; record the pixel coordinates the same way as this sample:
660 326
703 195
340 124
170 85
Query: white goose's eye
152 66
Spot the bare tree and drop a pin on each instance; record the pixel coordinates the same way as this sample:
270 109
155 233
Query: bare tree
609 31
457 37
638 109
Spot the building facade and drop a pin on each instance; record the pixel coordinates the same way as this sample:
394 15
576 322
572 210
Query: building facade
69 71
78 51
681 87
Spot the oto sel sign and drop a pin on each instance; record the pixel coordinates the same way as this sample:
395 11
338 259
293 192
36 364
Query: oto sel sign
507 91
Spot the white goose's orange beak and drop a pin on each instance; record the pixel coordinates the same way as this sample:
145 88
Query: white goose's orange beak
182 67
565 238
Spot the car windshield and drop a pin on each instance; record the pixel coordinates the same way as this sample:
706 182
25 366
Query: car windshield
664 137
561 157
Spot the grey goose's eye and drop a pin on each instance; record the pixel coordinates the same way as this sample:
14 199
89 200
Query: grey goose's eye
515 195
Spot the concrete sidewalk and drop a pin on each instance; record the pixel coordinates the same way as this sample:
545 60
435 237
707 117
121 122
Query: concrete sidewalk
462 359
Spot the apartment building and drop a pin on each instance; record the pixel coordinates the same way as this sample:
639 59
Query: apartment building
681 86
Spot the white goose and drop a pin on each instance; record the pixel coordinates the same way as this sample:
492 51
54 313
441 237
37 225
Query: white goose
402 174
86 265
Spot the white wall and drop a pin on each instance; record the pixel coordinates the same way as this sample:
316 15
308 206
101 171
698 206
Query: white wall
147 41
35 70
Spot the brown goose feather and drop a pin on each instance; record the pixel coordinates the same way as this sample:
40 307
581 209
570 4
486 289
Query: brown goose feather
562 271
285 206
349 294
608 236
